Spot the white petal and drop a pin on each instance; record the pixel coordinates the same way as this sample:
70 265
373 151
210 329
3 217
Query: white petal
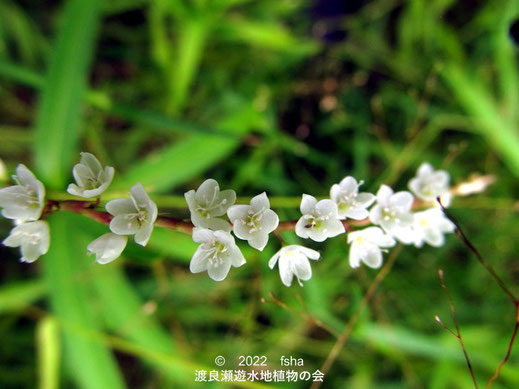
30 252
259 240
434 237
349 185
109 173
237 212
446 199
375 214
260 202
153 212
139 195
316 234
24 213
235 256
190 200
202 235
270 221
225 238
326 207
120 207
122 225
373 234
241 230
207 191
312 254
307 204
285 272
445 225
94 192
414 186
335 192
143 235
385 241
74 190
91 162
356 213
366 199
384 194
373 258
226 199
218 272
301 229
199 261
425 169
354 255
441 178
107 247
274 259
404 234
353 235
14 239
334 227
213 223
32 237
402 199
27 178
302 268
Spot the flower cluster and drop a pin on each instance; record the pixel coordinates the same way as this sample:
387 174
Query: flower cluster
217 220
218 250
390 212
25 202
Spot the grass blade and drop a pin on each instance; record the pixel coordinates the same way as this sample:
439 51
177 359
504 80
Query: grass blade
19 295
58 119
91 363
49 350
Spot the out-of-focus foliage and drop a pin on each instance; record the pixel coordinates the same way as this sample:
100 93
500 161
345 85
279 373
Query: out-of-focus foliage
283 96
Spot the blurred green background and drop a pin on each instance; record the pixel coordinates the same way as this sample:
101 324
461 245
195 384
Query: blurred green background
283 96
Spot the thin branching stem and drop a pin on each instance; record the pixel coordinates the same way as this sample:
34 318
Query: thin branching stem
86 208
457 335
509 350
461 235
470 246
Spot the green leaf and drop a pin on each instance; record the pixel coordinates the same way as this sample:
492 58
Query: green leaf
65 269
477 100
122 307
192 34
58 117
185 159
268 35
17 296
49 352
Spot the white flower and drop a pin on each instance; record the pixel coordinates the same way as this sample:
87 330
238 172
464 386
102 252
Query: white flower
429 227
293 260
366 246
430 184
350 203
24 201
32 238
320 219
216 253
91 178
254 222
107 247
135 215
207 203
393 213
